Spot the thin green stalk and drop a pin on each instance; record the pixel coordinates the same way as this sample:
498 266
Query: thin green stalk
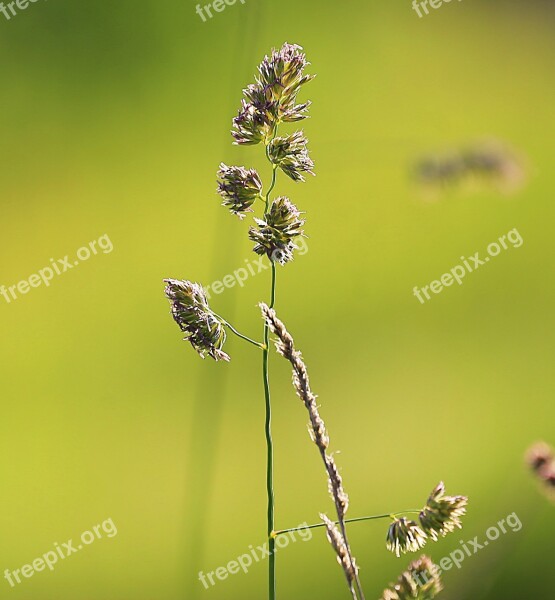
268 424
355 520
270 448
243 337
272 185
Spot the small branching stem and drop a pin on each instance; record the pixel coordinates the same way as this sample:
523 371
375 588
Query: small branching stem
354 520
240 335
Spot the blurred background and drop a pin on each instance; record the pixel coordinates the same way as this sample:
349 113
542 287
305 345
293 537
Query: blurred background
115 117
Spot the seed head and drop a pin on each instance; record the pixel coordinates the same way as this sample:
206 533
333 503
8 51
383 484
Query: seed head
272 99
335 487
405 536
266 108
317 428
250 125
202 327
337 541
281 75
442 513
276 233
421 580
239 188
286 347
541 459
291 155
539 455
486 161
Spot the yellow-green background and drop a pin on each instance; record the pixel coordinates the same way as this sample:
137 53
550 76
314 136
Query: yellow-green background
114 118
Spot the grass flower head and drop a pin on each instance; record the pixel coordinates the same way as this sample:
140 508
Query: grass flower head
291 155
541 460
250 126
276 233
239 188
190 310
421 580
442 513
272 99
337 541
405 536
282 75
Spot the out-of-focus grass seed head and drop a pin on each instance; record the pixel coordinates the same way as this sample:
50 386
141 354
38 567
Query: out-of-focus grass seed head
421 580
541 459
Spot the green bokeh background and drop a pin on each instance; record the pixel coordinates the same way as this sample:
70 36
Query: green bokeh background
114 119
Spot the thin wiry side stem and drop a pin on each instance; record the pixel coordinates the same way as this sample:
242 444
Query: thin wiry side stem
354 520
268 423
244 337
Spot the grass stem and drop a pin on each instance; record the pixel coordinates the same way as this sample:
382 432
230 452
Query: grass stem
270 448
355 520
240 335
268 424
